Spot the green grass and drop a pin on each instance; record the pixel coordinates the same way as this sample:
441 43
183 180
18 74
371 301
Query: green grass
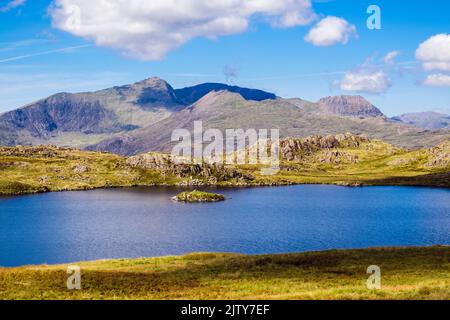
378 164
407 273
32 172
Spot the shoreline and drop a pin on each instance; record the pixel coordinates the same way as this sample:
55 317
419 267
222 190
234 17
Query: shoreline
338 250
227 186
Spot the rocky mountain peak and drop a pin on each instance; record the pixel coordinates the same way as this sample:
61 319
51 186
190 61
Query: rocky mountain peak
155 91
343 105
153 82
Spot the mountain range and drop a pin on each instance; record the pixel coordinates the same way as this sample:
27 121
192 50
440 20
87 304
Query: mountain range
140 117
426 120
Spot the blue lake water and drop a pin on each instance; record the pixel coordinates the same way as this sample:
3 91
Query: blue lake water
125 223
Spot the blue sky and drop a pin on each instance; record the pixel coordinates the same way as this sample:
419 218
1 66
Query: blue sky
39 57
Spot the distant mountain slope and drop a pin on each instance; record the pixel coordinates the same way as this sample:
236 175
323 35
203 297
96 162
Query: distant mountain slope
90 115
296 118
64 112
190 95
425 120
355 106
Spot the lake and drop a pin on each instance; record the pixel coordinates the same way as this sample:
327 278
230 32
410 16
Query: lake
144 222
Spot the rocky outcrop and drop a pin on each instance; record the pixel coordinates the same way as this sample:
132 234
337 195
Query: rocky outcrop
198 196
399 162
439 156
79 168
294 149
355 106
182 168
337 157
17 164
33 151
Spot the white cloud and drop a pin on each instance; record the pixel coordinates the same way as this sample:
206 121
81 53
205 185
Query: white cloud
435 53
437 80
12 4
148 30
365 81
390 57
330 31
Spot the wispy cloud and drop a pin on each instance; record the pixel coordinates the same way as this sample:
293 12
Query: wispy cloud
12 4
43 53
390 57
10 46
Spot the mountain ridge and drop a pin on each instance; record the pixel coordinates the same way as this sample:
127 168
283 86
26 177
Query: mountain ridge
140 117
426 120
92 116
190 95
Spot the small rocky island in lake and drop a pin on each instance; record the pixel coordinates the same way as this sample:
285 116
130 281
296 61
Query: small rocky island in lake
198 196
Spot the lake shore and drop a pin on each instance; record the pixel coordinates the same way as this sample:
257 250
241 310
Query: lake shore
406 273
39 169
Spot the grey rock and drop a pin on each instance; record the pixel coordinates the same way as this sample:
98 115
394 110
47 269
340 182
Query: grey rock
209 173
79 168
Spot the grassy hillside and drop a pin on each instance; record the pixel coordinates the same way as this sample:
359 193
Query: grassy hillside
43 168
367 163
406 273
350 161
